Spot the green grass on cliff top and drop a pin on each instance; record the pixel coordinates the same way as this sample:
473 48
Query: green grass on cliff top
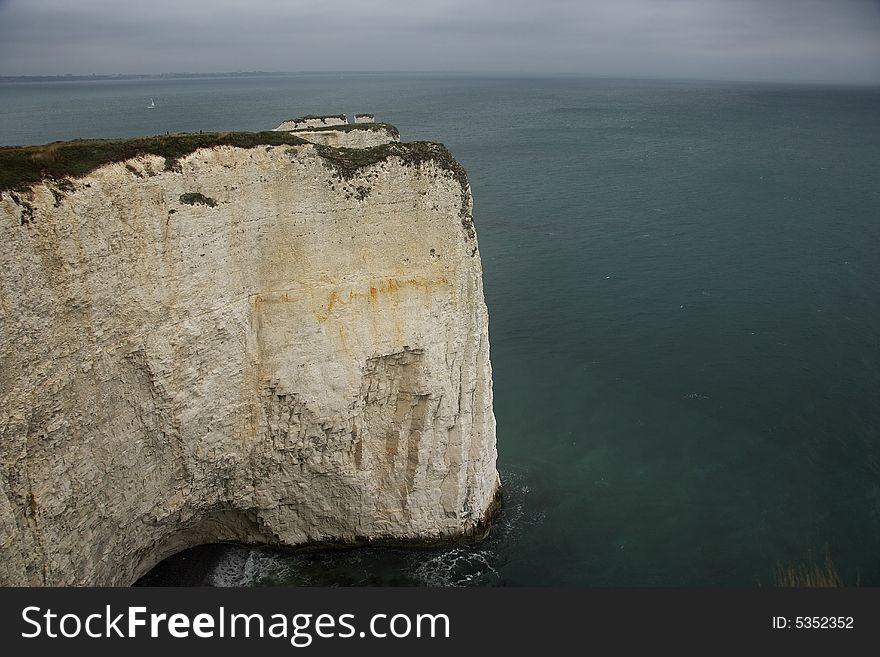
21 166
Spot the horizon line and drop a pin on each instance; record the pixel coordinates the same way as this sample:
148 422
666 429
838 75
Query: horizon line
61 77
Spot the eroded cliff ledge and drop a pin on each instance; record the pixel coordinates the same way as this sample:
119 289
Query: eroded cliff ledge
243 337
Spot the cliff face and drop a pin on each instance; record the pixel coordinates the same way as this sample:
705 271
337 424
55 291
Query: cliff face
353 136
313 121
334 131
281 344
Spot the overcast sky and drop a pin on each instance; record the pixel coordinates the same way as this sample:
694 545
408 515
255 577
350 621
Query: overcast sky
836 40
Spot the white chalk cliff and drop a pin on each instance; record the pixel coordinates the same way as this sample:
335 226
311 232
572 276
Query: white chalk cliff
333 131
278 344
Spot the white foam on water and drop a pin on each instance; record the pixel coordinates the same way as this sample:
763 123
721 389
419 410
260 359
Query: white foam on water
462 565
458 567
477 565
245 566
232 568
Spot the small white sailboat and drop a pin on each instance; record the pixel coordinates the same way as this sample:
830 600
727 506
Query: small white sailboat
152 105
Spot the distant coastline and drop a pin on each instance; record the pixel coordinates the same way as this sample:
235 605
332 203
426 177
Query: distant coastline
141 76
69 77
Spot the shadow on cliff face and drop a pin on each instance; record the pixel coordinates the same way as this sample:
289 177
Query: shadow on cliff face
464 564
190 567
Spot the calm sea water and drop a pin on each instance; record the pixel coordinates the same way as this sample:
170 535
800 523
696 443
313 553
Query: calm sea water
684 292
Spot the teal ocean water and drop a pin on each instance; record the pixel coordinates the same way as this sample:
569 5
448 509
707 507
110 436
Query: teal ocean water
683 284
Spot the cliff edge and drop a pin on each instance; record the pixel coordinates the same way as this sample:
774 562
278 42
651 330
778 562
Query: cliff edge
236 337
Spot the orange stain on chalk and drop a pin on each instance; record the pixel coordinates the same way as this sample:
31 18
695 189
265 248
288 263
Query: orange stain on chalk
384 288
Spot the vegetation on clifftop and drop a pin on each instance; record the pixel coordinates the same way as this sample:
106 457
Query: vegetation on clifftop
21 166
346 163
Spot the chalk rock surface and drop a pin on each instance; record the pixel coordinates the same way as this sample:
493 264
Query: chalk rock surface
276 344
352 136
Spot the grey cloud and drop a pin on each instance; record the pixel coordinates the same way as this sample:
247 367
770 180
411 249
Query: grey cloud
751 39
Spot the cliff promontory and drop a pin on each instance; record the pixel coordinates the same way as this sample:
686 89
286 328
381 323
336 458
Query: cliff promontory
236 337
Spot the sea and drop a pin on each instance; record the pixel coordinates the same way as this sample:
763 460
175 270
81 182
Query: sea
683 283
